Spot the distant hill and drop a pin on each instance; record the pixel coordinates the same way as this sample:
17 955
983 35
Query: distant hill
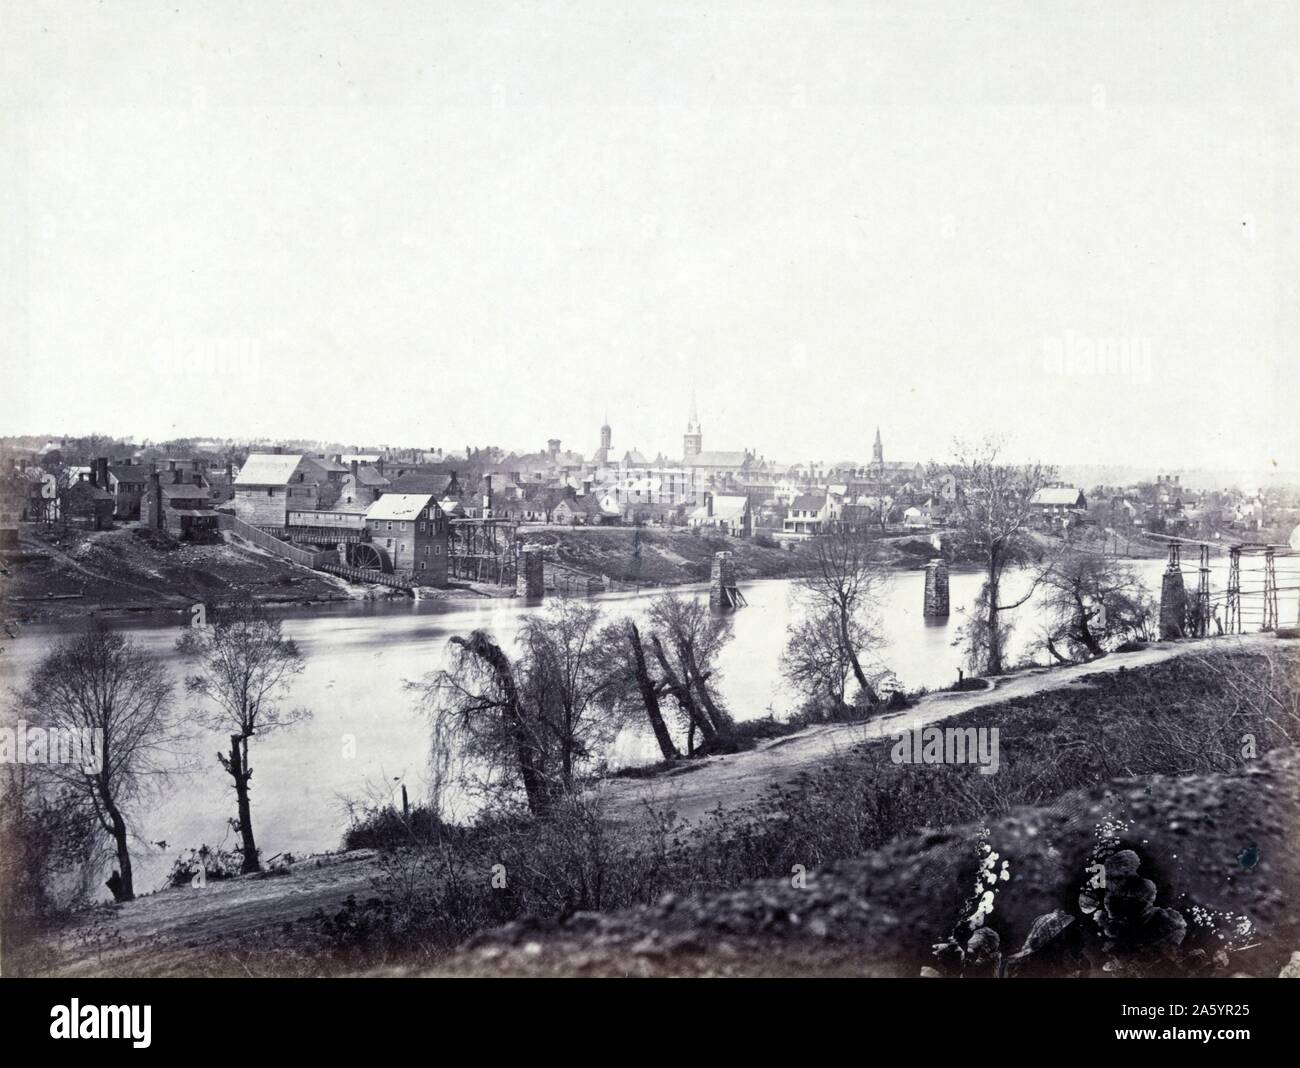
1088 475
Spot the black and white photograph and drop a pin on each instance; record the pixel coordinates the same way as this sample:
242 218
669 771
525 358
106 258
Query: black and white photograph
586 490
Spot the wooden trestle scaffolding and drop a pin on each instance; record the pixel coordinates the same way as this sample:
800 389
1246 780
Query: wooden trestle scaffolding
1249 601
482 550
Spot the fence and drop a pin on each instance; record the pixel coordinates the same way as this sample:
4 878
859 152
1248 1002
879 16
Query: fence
263 540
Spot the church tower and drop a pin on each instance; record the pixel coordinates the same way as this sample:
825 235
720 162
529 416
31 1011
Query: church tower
693 439
606 436
877 450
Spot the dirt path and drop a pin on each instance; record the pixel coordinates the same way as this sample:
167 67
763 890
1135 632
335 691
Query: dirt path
193 923
729 781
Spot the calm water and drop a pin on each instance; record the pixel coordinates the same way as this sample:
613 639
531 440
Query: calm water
359 659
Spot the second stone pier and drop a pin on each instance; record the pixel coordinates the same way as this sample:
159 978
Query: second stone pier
936 589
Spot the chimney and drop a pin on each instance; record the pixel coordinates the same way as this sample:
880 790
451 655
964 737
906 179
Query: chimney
171 465
103 471
487 499
230 470
177 474
155 500
353 465
379 465
708 504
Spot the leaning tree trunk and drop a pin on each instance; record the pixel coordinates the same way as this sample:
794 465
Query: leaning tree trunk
682 692
241 773
861 676
1085 632
650 698
722 723
535 788
125 890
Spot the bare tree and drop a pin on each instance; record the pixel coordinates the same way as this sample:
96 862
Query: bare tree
537 720
994 518
629 683
480 696
1090 600
563 681
246 667
686 641
100 688
840 592
817 660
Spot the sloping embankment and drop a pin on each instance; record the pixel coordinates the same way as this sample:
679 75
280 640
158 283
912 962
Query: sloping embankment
1216 845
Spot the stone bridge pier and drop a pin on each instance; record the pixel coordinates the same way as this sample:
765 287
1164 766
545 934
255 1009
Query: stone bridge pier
530 573
1173 602
936 589
722 583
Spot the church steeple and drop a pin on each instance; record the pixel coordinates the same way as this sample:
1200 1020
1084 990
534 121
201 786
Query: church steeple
693 439
877 450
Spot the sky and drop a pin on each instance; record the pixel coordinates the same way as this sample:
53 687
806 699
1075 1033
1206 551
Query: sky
1072 226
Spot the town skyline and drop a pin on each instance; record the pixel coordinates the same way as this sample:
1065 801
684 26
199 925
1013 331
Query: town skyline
1081 471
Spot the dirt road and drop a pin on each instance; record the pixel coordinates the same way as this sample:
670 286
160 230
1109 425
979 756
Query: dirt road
188 925
727 781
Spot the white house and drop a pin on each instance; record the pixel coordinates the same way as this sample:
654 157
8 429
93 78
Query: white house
728 513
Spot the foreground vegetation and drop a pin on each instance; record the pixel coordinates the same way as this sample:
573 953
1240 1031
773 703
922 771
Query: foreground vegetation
1212 713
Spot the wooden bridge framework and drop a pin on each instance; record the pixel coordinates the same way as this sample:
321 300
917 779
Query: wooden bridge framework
482 550
1253 600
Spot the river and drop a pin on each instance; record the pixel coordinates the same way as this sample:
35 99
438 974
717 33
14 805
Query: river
360 657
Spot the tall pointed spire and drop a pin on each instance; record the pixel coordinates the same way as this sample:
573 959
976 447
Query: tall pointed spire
693 439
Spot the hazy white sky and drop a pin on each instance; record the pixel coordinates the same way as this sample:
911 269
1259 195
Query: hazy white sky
441 224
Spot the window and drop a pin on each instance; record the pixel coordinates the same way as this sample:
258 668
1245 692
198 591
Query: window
437 550
402 526
421 565
270 491
419 528
390 526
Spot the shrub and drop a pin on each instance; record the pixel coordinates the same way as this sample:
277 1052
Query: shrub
1166 719
217 864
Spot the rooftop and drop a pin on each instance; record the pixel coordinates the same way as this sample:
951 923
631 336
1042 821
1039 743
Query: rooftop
403 506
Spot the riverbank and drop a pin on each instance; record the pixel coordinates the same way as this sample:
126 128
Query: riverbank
129 570
274 923
654 556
